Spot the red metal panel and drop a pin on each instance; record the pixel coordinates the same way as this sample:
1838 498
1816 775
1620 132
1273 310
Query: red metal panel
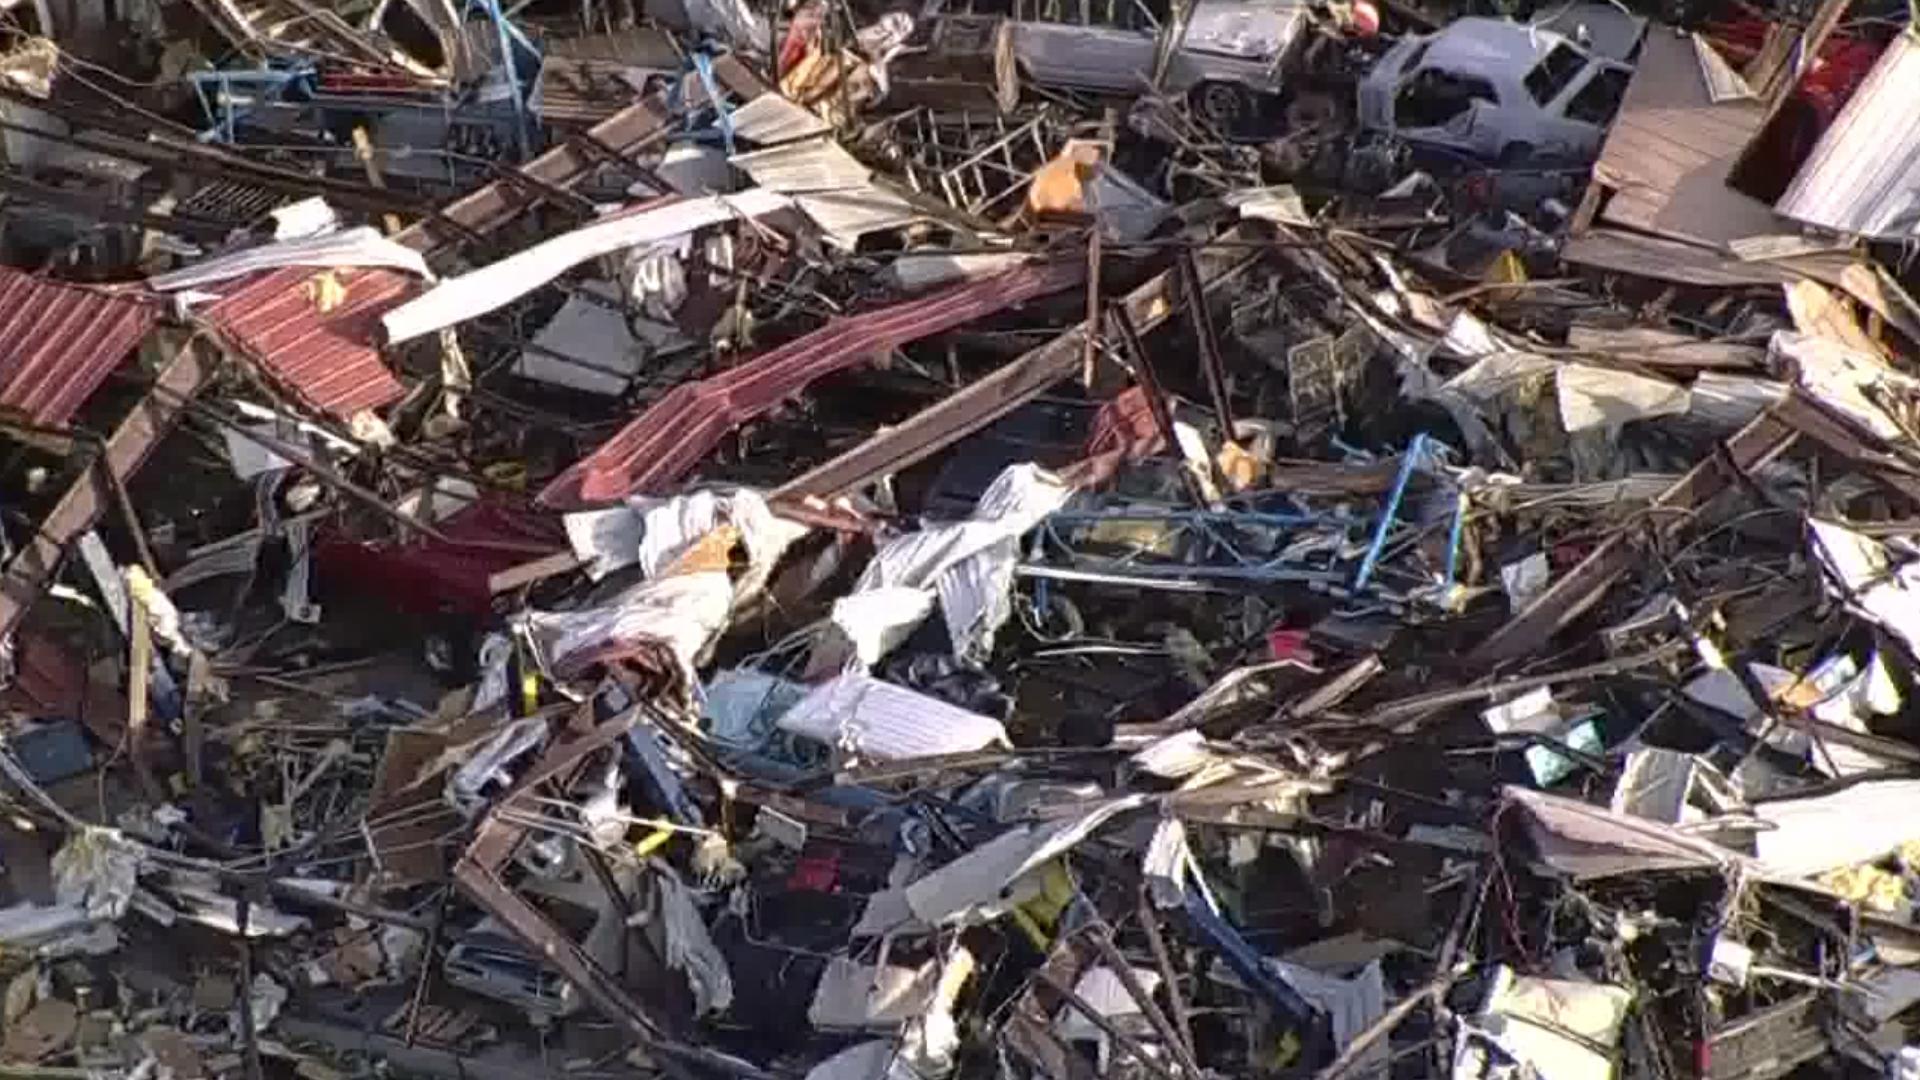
58 343
329 359
661 444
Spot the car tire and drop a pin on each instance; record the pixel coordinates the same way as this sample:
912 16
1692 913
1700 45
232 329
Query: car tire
1226 105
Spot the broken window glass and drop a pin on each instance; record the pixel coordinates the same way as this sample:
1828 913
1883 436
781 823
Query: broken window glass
1122 15
1059 11
1600 98
1554 73
1434 97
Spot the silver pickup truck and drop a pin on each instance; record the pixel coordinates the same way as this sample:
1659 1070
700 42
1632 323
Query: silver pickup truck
1229 53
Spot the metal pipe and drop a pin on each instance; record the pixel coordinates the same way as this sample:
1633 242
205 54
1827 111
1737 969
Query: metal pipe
1195 296
1414 452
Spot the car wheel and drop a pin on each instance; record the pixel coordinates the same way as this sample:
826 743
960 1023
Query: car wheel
1223 104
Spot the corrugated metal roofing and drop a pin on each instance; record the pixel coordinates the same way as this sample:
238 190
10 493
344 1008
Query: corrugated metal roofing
330 360
58 343
818 165
772 118
1864 174
832 187
684 424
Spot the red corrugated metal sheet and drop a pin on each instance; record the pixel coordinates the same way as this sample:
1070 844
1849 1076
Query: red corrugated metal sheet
59 342
680 428
330 360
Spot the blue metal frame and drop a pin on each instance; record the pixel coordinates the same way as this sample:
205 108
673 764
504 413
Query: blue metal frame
272 83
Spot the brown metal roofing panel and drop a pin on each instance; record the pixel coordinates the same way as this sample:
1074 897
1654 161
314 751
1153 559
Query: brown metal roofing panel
1671 149
329 359
58 343
678 430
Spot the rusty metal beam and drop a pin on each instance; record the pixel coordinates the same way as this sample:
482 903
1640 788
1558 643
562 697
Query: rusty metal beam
1013 385
34 566
1194 294
1143 374
479 875
487 208
1762 440
626 133
1766 437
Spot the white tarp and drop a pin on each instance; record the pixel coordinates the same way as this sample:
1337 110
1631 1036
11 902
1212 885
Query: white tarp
653 532
457 299
683 613
968 565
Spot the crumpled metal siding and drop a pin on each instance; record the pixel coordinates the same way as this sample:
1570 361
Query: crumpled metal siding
1863 176
680 428
59 342
330 360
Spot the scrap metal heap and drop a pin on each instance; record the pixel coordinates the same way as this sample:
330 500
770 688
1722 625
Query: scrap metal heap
1034 540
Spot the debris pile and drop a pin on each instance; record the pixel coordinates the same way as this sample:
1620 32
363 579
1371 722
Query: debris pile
1153 539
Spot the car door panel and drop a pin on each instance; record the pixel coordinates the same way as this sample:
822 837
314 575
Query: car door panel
1096 58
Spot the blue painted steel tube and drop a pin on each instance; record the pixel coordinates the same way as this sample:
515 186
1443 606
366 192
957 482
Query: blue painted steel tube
1416 450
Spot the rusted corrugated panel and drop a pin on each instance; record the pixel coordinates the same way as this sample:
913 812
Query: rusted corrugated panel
58 343
679 429
627 132
1019 381
329 359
